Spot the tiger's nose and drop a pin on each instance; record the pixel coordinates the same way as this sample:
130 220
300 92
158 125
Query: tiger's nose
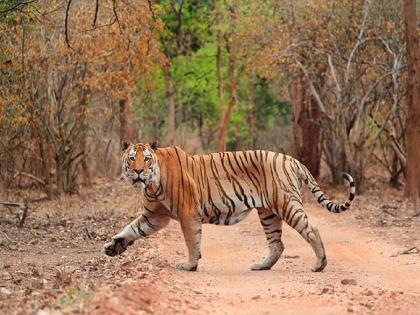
138 171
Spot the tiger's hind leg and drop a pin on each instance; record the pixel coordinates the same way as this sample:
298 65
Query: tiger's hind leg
272 225
297 219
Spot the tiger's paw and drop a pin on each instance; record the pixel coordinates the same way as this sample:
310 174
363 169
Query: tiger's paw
117 246
320 265
258 267
186 267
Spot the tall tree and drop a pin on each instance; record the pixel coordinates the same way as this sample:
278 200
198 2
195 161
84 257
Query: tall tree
306 125
127 128
226 17
181 37
413 99
50 82
170 91
225 113
220 84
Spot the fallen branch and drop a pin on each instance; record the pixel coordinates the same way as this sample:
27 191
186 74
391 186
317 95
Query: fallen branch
8 238
388 212
37 179
411 250
38 199
12 204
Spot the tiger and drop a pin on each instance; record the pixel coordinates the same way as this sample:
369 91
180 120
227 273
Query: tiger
221 188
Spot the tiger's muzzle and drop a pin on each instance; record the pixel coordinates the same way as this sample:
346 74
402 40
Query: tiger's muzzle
139 182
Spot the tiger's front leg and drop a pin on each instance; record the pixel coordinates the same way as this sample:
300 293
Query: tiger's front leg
191 228
146 224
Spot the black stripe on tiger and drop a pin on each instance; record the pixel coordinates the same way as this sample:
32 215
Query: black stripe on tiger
320 196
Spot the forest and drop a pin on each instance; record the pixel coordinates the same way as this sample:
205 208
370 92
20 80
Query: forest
335 84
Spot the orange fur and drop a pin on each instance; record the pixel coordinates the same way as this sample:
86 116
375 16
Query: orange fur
220 188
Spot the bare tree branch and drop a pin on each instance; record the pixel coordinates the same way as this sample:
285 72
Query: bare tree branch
372 148
66 21
17 6
313 90
359 39
151 9
96 14
37 179
114 9
333 73
395 146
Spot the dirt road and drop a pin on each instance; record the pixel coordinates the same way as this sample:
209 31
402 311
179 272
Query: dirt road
361 276
55 264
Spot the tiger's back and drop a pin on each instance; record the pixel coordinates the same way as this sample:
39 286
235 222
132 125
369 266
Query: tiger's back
224 186
234 183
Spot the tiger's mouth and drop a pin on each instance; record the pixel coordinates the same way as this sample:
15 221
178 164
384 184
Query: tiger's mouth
138 182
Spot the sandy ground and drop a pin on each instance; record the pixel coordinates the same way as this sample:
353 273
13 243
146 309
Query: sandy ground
361 276
368 271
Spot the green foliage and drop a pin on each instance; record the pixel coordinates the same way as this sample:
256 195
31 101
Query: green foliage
186 25
195 81
259 110
72 296
149 107
268 109
196 101
197 104
11 9
189 42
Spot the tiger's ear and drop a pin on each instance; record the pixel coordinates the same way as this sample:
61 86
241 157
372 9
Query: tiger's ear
125 144
154 145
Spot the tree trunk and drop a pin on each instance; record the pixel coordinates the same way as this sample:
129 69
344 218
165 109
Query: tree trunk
334 149
170 103
221 146
412 188
127 130
250 121
83 145
306 129
87 179
46 162
220 87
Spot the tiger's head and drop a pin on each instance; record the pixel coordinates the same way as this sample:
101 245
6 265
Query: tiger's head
139 163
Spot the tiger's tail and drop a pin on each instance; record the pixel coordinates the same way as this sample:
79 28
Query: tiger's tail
320 196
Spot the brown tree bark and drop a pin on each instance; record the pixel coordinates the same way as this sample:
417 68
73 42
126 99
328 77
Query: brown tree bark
85 166
221 144
84 146
306 129
127 130
220 84
250 121
412 188
170 103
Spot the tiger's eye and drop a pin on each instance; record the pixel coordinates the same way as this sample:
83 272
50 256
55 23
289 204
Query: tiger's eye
132 158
